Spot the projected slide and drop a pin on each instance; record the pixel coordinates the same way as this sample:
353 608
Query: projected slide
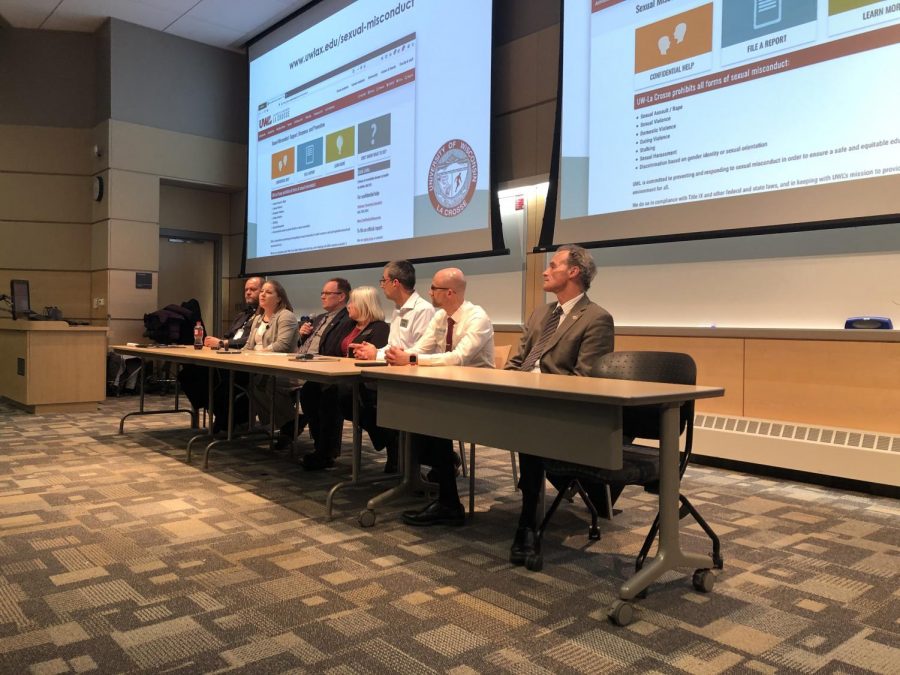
370 126
338 176
689 101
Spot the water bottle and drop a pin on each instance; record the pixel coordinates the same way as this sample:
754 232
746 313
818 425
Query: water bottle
198 336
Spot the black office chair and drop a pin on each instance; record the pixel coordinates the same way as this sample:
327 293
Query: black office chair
640 464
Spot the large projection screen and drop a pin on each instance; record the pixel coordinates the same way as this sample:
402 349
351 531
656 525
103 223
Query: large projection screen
701 118
369 135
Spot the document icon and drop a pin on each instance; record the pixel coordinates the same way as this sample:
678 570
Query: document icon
766 12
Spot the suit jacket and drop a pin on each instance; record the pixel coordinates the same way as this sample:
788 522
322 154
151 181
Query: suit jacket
281 335
243 320
585 335
376 333
330 342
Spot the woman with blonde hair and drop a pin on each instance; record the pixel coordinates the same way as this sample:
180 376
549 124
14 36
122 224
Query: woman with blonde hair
365 322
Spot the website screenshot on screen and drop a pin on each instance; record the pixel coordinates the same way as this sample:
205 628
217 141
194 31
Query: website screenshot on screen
693 100
335 158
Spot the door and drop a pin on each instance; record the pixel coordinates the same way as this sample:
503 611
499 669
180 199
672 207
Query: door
187 270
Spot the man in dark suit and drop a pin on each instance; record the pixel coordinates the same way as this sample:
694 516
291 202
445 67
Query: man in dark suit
194 380
319 403
565 337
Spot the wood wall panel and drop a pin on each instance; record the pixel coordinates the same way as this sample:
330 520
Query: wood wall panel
178 156
508 338
133 245
67 367
100 245
518 61
133 196
45 246
547 65
841 384
56 150
12 348
100 289
124 301
720 362
45 198
232 250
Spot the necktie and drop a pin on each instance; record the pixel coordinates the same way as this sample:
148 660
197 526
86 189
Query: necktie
311 346
537 349
450 324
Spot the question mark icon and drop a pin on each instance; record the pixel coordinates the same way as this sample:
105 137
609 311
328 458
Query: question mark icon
374 129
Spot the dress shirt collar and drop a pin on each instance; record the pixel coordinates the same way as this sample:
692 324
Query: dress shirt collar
569 304
409 305
460 313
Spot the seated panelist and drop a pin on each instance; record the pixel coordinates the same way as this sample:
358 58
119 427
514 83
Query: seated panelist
564 337
459 334
274 329
194 379
411 316
321 403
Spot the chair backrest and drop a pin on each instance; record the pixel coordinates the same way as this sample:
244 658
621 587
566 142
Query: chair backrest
501 355
668 367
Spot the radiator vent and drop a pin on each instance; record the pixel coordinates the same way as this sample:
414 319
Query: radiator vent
828 436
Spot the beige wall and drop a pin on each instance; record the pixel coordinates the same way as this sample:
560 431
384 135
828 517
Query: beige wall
45 215
74 250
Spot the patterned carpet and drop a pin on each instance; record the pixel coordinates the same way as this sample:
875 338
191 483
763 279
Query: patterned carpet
116 556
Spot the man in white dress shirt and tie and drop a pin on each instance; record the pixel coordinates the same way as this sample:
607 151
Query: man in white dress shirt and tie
459 334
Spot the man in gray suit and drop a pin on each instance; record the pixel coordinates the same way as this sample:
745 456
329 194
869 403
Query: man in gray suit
565 337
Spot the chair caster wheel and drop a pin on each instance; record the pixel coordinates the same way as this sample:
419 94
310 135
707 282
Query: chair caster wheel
534 562
621 613
703 580
366 518
594 534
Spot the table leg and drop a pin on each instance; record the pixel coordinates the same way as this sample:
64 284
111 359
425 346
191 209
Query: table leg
141 411
357 460
229 426
669 554
412 481
210 387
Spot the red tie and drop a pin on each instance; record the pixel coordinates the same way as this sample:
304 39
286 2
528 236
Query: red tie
450 324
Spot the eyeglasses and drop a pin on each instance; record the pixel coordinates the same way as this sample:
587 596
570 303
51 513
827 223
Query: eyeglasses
331 293
439 288
383 281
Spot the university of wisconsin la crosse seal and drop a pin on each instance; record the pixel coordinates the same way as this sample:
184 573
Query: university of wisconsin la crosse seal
452 177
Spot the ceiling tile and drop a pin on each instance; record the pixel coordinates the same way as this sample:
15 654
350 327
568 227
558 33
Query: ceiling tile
207 33
221 23
245 17
73 13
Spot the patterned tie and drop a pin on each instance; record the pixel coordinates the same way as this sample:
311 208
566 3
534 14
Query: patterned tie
311 346
537 349
449 345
